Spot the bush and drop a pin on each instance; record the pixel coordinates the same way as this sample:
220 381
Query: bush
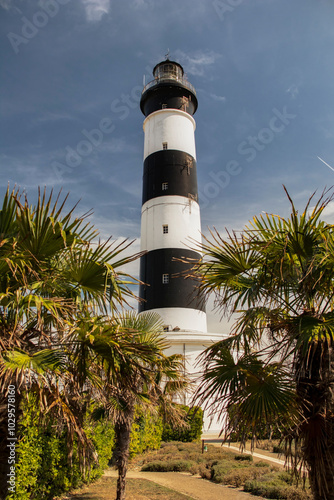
168 466
237 477
276 490
204 472
146 432
42 468
244 458
194 419
219 469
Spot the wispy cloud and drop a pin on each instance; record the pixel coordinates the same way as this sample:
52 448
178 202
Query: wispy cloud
95 9
198 62
219 98
5 4
54 117
142 4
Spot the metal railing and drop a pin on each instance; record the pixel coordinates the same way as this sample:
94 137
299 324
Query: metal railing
183 81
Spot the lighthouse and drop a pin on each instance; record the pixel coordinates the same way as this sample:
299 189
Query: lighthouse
170 219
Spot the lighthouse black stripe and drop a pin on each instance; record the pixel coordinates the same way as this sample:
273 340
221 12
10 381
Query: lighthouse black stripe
176 168
180 291
168 95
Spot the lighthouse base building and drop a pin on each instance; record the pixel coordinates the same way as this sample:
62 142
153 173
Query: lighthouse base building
170 220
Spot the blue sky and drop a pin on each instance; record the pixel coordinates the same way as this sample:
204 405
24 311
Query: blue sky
263 71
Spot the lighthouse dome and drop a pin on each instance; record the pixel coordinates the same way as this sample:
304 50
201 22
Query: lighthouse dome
170 89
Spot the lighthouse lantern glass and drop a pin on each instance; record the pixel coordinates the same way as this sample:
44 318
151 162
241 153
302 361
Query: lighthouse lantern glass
168 71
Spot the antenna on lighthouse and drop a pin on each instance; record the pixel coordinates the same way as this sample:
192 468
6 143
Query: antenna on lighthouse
167 55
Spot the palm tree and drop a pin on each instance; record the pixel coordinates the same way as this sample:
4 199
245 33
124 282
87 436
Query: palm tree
52 275
137 374
278 365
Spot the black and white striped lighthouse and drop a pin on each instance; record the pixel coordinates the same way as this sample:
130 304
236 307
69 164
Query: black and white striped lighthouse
170 222
170 211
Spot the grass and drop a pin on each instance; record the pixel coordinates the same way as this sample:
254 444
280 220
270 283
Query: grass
136 489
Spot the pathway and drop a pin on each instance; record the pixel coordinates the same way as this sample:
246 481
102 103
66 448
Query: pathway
193 486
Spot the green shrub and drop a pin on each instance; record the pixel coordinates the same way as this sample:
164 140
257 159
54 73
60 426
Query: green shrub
194 419
276 490
103 437
279 450
261 463
245 458
168 466
42 468
219 469
237 477
146 432
286 477
204 472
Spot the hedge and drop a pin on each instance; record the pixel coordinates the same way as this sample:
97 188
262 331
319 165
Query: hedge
42 468
194 418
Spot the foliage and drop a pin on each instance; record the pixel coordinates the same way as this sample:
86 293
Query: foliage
58 283
193 430
55 281
243 458
168 466
220 465
276 368
43 469
146 432
274 488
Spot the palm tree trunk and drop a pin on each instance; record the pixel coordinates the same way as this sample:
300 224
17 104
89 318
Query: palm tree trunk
122 445
315 387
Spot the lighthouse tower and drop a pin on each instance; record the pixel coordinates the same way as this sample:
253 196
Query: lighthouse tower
170 223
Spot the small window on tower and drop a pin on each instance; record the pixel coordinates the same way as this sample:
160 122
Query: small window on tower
165 228
166 328
164 145
164 186
165 279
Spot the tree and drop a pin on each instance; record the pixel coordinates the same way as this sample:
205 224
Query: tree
278 365
54 277
57 285
138 374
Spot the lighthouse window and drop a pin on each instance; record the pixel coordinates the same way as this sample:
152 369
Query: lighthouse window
164 145
165 228
164 186
165 279
164 106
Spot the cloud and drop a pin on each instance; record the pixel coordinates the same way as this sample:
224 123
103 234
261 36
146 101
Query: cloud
197 63
95 9
219 98
6 4
142 4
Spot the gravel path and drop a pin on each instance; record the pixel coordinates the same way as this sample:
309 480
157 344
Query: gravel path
195 487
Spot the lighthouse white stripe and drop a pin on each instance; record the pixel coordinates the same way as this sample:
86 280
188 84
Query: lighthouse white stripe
171 126
183 318
182 215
